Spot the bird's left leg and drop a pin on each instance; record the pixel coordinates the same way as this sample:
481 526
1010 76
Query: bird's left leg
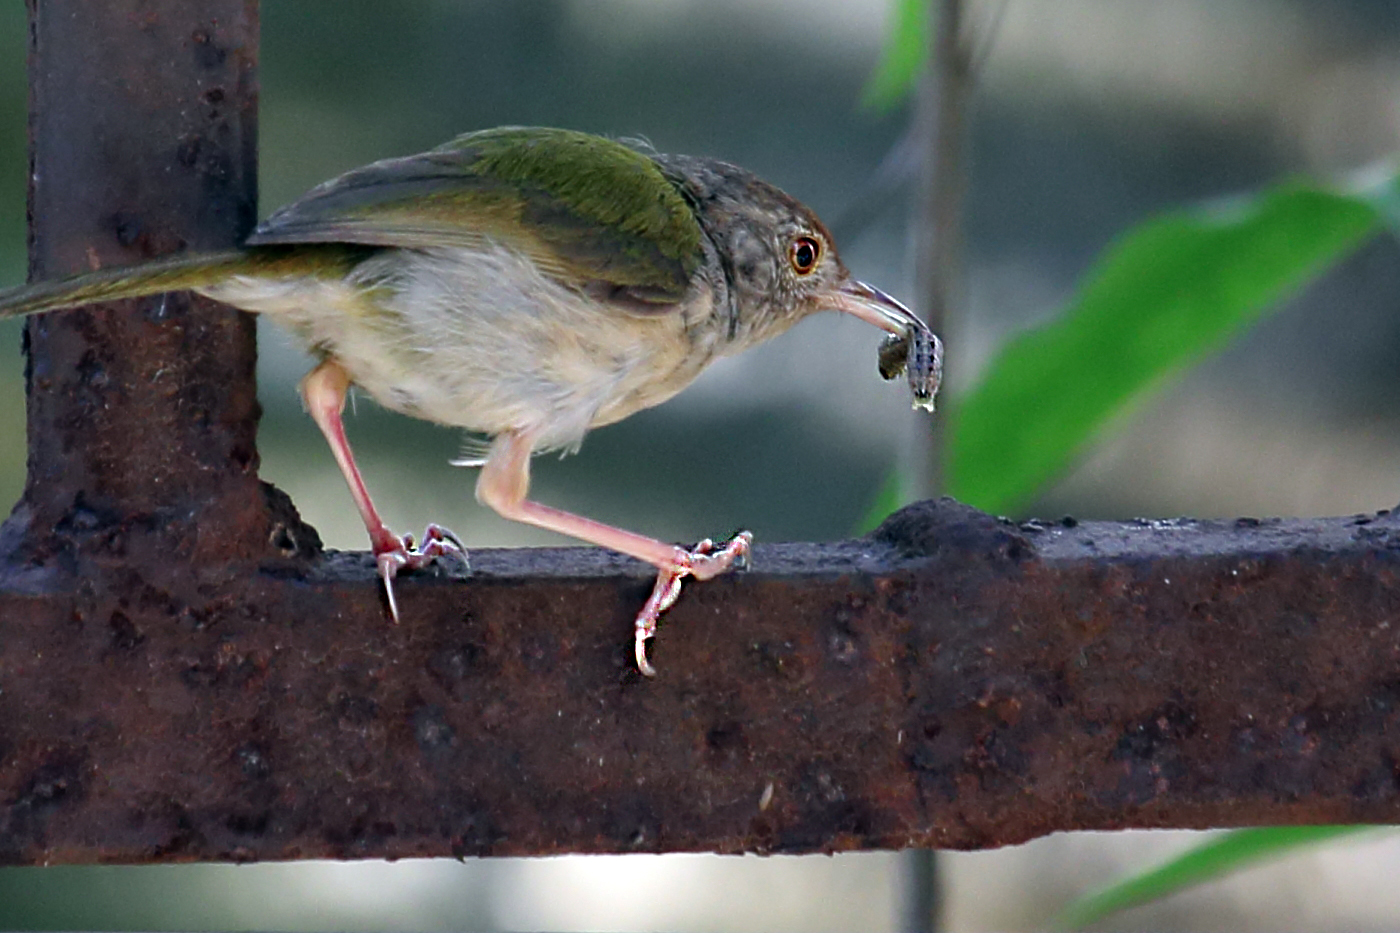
504 484
323 393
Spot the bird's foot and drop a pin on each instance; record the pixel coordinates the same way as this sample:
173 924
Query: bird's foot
393 553
701 562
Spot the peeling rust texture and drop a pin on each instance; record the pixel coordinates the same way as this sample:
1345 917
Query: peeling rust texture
952 680
143 117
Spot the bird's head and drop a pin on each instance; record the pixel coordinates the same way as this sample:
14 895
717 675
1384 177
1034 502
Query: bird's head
778 259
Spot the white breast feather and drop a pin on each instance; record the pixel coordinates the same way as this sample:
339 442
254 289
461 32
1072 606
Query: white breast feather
477 339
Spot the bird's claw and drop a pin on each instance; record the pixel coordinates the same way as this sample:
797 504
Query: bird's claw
404 554
702 562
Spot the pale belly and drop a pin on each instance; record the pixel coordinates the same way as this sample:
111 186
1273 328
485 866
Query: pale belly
479 340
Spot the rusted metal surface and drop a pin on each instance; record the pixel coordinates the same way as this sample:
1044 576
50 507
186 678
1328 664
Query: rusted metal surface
143 142
951 681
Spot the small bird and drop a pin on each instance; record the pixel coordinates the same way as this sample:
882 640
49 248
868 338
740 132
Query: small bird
526 284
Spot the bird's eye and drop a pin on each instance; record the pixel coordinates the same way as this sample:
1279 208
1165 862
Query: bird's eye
804 254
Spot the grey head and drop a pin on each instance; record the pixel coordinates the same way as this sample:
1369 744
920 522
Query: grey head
774 257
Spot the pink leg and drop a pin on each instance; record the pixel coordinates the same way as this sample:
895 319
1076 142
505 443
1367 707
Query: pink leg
503 485
323 392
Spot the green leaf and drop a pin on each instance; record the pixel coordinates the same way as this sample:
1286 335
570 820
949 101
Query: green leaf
904 56
1169 292
1207 862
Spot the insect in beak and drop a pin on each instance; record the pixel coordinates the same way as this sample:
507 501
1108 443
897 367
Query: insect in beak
911 347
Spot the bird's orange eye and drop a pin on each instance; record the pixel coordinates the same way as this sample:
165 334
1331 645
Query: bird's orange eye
804 254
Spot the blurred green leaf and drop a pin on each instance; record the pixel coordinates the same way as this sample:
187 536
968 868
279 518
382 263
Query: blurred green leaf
1207 862
904 56
1170 291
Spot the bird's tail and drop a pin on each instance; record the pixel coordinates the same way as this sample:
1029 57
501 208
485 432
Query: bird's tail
162 275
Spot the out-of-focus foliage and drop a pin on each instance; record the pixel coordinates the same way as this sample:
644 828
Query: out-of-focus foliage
1209 861
1168 293
904 57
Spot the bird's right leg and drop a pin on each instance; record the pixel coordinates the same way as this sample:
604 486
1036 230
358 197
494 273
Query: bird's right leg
504 484
323 393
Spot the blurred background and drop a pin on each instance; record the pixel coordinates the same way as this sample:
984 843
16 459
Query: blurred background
1088 117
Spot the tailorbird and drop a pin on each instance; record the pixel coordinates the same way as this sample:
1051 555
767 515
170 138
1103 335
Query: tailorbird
527 284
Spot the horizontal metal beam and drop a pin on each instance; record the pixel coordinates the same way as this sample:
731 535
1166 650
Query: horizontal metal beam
952 681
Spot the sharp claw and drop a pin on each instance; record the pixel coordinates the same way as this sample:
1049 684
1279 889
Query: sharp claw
440 542
436 532
389 563
643 665
402 553
668 586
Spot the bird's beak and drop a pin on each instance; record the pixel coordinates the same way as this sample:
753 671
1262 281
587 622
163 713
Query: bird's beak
875 307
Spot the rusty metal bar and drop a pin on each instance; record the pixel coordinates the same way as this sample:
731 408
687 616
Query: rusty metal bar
143 117
952 681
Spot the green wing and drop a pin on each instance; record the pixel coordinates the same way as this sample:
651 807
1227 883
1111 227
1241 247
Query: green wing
584 208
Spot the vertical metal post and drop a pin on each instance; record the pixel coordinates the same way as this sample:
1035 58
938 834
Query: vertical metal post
941 125
943 99
142 414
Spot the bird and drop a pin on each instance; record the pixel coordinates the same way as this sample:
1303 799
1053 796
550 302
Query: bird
526 284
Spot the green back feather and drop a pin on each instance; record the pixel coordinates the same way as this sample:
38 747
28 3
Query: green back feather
583 208
599 180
